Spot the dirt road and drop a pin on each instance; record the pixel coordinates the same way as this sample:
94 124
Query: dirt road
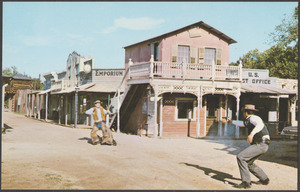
39 155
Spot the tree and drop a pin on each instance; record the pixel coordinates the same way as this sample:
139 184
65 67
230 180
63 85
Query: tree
282 58
37 85
10 71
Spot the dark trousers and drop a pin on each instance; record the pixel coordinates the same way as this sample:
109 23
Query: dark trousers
246 160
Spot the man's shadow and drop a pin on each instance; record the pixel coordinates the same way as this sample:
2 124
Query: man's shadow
218 175
89 140
6 129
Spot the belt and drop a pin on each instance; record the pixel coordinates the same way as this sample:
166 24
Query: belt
96 123
264 140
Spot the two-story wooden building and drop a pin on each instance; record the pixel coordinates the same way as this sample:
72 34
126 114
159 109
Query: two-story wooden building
180 83
69 93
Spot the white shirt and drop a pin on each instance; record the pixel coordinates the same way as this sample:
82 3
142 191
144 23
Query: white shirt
256 121
91 110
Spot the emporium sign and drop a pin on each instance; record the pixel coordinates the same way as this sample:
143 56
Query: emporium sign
109 73
257 77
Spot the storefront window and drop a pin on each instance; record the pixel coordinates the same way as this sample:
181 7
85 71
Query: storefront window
185 109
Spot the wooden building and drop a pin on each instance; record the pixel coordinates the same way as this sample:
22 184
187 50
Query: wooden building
180 84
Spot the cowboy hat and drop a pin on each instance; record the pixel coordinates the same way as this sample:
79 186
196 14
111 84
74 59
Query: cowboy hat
249 107
97 101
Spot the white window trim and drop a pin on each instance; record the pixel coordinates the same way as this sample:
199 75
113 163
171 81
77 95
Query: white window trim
194 108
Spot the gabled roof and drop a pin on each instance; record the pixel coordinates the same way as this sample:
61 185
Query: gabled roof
200 24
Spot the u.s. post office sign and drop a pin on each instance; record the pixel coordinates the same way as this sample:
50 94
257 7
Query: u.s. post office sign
258 77
109 73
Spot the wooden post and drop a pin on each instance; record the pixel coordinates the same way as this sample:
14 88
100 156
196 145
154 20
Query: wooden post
199 99
66 108
161 117
241 71
129 64
237 130
220 127
46 110
151 66
155 112
226 115
59 108
118 113
39 108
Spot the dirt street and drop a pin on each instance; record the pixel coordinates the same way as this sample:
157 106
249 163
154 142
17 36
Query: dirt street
39 155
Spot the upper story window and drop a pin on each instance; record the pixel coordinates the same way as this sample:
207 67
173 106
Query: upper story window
200 55
210 56
183 54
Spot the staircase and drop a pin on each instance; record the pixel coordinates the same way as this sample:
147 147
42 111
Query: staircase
128 102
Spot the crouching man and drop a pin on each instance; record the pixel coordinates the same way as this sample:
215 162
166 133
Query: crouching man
98 114
259 139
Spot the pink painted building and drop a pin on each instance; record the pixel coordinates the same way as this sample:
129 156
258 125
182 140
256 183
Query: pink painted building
180 84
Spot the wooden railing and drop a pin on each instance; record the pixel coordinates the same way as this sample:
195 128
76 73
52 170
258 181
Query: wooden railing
153 69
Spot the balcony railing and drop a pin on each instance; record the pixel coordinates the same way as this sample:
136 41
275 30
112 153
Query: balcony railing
153 69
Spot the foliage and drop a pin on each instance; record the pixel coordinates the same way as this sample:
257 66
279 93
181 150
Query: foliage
37 84
10 71
282 58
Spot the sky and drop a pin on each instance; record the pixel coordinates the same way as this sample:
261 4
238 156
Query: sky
39 36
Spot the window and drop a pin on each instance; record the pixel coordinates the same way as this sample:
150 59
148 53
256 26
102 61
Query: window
210 56
183 54
185 109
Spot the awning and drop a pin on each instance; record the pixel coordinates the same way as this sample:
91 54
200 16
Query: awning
246 88
101 88
44 92
72 89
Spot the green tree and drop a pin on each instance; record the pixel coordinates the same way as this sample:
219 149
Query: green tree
282 58
10 71
37 85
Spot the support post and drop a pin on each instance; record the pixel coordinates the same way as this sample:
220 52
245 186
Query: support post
46 110
199 99
155 113
220 127
151 66
59 108
66 109
3 96
118 113
226 115
76 107
39 108
237 129
160 118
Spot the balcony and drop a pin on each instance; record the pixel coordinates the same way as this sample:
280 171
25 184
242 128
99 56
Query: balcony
184 71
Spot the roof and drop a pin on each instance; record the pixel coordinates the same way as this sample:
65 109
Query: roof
246 88
104 88
198 24
72 89
20 76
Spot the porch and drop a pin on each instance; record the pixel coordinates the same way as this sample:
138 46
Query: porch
187 71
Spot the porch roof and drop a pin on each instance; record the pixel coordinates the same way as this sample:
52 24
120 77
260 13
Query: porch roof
104 88
72 89
246 88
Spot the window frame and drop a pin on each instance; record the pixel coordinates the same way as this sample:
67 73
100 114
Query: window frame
193 112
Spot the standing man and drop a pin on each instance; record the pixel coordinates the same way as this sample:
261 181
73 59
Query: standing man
99 116
259 139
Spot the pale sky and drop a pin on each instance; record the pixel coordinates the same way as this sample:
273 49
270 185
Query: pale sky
39 36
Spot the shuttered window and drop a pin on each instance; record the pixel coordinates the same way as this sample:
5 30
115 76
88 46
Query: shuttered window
201 55
174 53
